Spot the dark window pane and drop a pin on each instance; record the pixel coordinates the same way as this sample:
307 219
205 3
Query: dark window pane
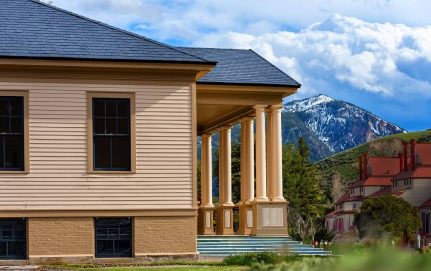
3 249
99 108
4 124
99 126
122 247
123 109
105 247
102 153
1 152
111 108
123 126
121 153
4 103
112 152
111 126
13 152
16 106
16 125
113 244
12 239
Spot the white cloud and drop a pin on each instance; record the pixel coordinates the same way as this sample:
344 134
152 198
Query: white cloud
187 19
374 57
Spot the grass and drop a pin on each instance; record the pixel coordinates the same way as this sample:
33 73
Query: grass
158 268
172 265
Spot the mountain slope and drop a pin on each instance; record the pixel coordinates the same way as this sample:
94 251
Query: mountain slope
330 126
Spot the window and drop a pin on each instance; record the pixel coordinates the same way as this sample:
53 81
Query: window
11 133
112 133
12 239
113 237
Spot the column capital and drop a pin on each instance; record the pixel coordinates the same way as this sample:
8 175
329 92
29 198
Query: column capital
260 107
225 127
207 135
275 107
247 119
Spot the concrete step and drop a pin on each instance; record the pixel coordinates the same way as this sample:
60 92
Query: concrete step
221 246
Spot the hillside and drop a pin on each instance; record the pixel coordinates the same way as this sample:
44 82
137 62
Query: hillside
344 165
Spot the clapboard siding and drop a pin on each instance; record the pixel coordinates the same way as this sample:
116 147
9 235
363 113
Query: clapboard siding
58 178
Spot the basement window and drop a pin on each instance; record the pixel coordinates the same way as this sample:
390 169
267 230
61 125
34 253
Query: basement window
113 237
11 133
13 239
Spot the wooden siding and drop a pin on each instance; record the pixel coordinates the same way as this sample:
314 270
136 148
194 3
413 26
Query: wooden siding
58 178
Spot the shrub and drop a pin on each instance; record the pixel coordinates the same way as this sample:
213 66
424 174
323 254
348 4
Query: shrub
253 258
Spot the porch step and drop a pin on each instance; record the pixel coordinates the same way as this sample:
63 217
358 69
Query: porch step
222 246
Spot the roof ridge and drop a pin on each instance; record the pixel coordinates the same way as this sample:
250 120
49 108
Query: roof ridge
114 28
275 66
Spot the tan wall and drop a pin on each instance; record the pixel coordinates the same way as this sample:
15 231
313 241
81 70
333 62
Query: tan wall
348 206
371 190
58 177
165 235
48 237
419 193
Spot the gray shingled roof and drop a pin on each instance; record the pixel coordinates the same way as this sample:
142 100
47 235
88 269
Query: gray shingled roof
244 67
34 30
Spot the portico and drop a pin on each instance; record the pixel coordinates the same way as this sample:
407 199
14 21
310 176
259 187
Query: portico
257 109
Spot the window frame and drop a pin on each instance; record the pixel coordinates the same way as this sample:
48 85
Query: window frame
132 240
26 148
24 256
90 135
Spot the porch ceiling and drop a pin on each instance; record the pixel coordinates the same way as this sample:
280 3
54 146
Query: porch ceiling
219 105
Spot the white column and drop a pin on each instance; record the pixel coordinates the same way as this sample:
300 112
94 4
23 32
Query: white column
225 167
260 154
247 160
206 171
276 154
268 131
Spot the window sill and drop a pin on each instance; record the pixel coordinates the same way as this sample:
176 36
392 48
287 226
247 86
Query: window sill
111 172
14 172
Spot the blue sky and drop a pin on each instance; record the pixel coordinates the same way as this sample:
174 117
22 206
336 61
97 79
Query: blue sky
373 53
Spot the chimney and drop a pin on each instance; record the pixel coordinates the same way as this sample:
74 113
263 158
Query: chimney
360 168
400 156
365 166
412 154
405 155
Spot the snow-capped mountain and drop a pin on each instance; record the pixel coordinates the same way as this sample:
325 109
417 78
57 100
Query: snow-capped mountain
330 126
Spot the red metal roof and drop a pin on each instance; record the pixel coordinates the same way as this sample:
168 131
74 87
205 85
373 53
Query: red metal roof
424 152
423 168
383 169
378 181
385 191
348 198
343 198
382 166
427 204
331 214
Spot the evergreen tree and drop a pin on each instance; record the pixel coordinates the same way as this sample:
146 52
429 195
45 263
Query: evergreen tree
301 181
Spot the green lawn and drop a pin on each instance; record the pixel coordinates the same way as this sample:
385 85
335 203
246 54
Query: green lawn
156 268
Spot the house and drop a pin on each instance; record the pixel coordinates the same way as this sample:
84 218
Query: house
414 182
408 177
98 132
375 179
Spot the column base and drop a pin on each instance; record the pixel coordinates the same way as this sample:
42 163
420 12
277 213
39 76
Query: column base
224 224
206 221
270 218
245 219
